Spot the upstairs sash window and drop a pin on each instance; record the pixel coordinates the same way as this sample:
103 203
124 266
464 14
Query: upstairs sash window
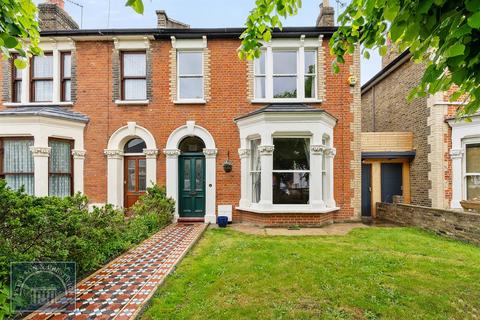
60 168
42 78
284 74
310 73
66 76
134 75
260 76
190 75
16 163
16 82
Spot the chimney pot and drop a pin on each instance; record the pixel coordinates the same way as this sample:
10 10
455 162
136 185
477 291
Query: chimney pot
163 21
326 17
52 16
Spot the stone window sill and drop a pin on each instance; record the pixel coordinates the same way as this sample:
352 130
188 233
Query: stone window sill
38 104
286 100
287 209
131 102
191 101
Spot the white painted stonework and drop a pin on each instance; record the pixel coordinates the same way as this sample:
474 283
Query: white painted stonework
41 129
172 152
267 126
462 133
115 163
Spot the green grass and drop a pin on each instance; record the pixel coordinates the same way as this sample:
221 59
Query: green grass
375 273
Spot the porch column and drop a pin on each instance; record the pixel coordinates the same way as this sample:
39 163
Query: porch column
78 165
114 177
244 176
457 177
151 165
330 198
210 181
172 176
40 165
266 163
316 192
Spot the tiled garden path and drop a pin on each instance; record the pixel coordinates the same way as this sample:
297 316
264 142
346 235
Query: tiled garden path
120 289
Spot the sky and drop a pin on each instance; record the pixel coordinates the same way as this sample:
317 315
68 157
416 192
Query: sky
196 13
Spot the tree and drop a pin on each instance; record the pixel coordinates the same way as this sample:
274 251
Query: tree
443 34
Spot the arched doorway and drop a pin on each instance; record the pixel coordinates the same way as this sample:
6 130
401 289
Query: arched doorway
191 173
135 171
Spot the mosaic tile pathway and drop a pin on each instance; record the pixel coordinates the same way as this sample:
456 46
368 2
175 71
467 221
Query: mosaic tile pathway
120 289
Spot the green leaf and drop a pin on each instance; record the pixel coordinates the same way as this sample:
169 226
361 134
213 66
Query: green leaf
472 5
267 36
136 5
11 42
20 63
474 20
424 6
456 50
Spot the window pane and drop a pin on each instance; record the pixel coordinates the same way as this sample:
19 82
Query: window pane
18 91
256 187
198 174
59 185
142 175
17 156
284 87
291 154
285 62
473 158
473 187
60 156
191 88
67 90
310 62
186 175
260 64
135 89
131 181
43 66
135 145
16 181
290 187
134 65
17 73
190 63
43 90
67 65
191 144
310 87
259 87
254 155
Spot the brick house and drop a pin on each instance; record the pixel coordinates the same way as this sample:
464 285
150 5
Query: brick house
440 156
110 112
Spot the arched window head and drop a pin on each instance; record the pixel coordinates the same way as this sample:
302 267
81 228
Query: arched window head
135 145
191 144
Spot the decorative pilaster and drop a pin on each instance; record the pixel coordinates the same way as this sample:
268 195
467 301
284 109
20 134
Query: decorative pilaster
210 153
316 192
171 153
113 153
78 154
40 164
457 177
172 175
78 165
244 155
151 165
266 163
210 181
150 153
115 176
330 198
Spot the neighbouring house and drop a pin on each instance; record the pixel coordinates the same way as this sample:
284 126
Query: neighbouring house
110 112
415 149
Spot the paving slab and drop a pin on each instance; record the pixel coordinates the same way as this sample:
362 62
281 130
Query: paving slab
121 288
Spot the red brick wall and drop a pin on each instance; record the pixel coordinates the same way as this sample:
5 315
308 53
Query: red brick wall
161 116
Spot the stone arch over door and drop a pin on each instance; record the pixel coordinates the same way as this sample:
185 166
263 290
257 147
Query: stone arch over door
172 152
114 153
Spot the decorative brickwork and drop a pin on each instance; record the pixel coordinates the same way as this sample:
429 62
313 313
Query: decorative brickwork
206 74
73 88
321 71
173 74
250 80
115 74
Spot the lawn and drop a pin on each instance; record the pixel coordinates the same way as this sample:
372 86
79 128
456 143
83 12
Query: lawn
374 273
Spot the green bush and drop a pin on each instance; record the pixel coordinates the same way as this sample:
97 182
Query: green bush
62 229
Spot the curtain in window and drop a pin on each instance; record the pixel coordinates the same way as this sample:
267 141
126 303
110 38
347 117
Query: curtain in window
59 181
134 65
18 164
43 66
135 89
134 74
43 90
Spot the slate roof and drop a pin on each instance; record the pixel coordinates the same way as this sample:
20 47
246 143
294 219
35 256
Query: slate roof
282 108
48 112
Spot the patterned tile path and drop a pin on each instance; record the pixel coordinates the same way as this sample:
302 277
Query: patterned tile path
120 289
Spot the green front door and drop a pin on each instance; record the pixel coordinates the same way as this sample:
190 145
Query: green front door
192 185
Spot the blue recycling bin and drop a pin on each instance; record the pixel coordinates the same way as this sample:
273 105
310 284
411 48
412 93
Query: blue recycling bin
222 221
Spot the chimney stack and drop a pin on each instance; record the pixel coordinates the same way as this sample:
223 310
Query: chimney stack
52 16
326 17
163 21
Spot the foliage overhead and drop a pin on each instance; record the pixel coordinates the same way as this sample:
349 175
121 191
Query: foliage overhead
443 34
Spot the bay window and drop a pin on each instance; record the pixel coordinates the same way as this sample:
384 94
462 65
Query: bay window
16 163
60 168
255 170
190 75
134 75
66 76
472 171
291 170
41 81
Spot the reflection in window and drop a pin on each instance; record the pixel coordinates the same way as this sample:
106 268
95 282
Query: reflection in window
255 172
291 170
472 172
190 75
135 145
192 144
310 72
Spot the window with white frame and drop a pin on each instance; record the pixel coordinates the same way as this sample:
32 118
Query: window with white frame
66 76
255 170
134 75
280 74
472 170
190 75
16 163
291 170
42 78
60 168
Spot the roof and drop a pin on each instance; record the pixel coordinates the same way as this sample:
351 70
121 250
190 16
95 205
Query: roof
282 108
48 112
166 33
392 66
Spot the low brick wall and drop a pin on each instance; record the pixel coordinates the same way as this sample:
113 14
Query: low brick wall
454 224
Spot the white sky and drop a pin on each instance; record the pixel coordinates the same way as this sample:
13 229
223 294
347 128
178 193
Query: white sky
196 13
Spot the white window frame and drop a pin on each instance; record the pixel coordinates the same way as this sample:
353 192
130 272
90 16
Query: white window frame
300 45
315 74
257 74
202 76
465 174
